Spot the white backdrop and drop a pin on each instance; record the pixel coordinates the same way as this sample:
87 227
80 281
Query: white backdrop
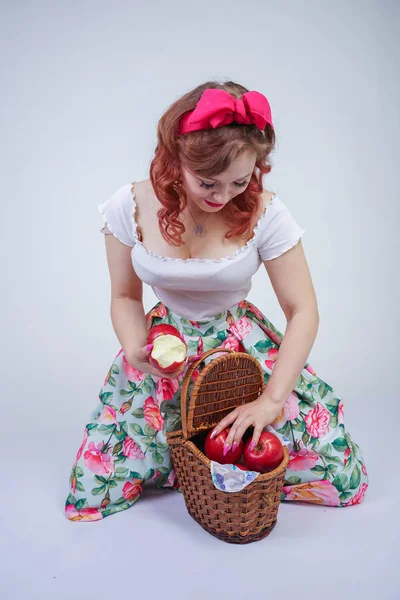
83 85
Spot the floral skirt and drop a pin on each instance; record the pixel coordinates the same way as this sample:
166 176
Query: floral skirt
124 443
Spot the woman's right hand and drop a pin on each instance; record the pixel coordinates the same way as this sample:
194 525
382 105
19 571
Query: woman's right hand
139 359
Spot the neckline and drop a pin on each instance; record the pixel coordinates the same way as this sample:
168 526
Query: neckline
191 260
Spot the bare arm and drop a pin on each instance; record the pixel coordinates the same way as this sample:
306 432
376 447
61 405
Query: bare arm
127 311
292 283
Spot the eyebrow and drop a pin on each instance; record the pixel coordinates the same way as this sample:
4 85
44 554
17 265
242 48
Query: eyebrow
216 180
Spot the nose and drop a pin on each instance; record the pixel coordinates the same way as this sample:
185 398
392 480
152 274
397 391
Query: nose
220 197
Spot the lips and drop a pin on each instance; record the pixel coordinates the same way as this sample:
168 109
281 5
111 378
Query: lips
212 203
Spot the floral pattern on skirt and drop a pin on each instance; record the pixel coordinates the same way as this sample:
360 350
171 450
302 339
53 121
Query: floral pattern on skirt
124 442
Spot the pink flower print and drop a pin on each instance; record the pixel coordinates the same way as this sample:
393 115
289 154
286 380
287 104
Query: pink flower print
272 356
316 492
241 327
358 498
243 304
79 453
97 461
130 491
290 411
171 479
132 373
302 460
346 455
232 343
195 324
340 413
84 514
108 415
165 389
131 449
200 346
364 470
317 421
152 414
310 370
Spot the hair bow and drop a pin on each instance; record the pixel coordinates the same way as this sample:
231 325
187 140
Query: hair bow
217 108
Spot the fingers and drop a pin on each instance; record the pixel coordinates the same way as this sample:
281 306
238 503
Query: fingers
225 422
235 435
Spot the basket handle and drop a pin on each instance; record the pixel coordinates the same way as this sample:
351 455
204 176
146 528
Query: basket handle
186 381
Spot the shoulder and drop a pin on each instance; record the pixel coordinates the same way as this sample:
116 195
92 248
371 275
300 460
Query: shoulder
117 212
278 229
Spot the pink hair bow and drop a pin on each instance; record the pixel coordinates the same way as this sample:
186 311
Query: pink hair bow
217 108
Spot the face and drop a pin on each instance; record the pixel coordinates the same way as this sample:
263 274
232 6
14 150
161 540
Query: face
221 188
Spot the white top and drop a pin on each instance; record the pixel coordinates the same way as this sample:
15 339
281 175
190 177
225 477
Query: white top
200 288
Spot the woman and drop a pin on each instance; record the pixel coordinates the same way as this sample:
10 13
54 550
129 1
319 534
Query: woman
197 231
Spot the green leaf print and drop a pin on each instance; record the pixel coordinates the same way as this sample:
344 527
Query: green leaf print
121 473
292 480
333 421
132 385
149 474
135 475
79 471
117 448
80 487
100 479
91 426
120 435
106 428
162 447
263 346
80 504
326 450
344 496
157 457
341 482
137 430
221 335
149 431
147 387
112 381
210 331
318 469
191 331
125 393
239 312
99 490
298 425
305 437
112 483
115 509
70 500
323 389
209 343
340 444
138 413
106 397
355 478
115 369
332 468
332 405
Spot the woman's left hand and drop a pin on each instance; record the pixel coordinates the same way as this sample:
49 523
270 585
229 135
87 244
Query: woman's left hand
260 413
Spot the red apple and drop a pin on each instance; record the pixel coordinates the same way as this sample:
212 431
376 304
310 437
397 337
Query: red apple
213 448
239 466
266 455
169 348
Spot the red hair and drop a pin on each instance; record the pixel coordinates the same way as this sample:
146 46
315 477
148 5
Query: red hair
207 153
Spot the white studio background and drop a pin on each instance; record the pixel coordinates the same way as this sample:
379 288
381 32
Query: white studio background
83 86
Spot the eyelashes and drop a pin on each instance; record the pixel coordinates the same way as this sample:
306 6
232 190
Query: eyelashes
208 186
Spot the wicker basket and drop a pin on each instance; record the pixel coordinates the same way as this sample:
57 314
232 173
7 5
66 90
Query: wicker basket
226 382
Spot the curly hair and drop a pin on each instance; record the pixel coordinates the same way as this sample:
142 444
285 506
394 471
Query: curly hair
207 153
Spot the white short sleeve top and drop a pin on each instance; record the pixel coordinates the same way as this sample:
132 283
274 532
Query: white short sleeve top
199 288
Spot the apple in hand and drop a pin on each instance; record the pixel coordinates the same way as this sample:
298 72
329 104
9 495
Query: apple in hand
266 455
169 348
214 448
